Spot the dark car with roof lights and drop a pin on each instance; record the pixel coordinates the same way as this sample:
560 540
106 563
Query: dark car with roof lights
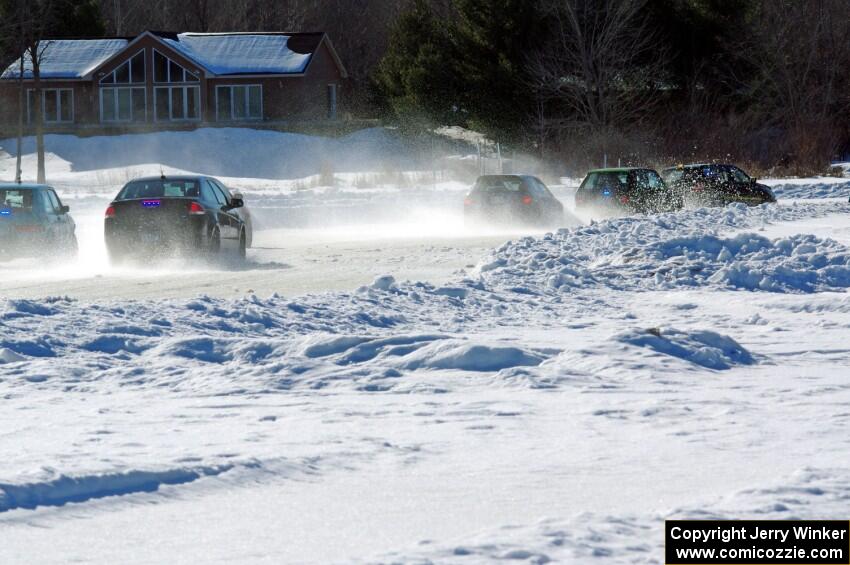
512 199
716 184
626 190
34 222
190 215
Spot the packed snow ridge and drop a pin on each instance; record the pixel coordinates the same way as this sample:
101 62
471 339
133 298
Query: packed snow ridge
674 250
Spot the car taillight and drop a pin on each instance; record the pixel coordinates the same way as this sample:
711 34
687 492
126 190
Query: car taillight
624 199
29 228
527 200
110 212
467 201
196 209
699 187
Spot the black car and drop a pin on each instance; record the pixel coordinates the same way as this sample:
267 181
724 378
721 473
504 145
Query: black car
716 185
512 199
626 190
33 221
181 214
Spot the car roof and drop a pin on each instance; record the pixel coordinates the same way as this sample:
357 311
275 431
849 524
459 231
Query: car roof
23 185
697 166
505 177
617 170
171 177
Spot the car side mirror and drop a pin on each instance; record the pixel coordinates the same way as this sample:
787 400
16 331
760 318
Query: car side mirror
64 209
236 202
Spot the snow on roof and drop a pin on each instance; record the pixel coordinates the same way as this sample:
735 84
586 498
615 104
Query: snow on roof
240 53
69 58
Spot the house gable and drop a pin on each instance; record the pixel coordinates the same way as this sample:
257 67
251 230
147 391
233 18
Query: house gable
147 41
327 45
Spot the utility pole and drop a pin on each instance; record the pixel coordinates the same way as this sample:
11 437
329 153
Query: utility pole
21 110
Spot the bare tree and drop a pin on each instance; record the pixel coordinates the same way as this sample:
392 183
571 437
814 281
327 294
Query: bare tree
30 22
601 62
36 52
21 110
798 53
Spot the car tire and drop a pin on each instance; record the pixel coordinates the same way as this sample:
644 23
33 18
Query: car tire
71 247
214 243
243 245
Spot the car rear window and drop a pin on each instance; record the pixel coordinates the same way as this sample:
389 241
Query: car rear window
610 180
496 185
15 199
159 189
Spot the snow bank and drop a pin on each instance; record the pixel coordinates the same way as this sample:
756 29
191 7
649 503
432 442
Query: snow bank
704 348
673 251
823 187
467 357
9 356
67 489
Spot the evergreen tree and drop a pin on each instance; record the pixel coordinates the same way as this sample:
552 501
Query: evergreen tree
494 39
469 69
417 75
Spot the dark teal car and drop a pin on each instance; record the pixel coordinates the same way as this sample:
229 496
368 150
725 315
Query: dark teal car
34 222
626 190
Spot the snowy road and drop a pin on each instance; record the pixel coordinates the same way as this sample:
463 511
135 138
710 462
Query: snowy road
551 398
359 240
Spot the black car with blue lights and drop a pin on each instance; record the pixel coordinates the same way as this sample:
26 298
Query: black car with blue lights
156 216
34 222
716 184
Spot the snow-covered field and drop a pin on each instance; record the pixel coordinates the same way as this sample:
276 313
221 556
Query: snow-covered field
554 397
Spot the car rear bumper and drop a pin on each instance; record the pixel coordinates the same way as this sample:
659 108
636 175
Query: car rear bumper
150 240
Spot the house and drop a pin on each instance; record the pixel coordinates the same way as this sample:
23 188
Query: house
163 80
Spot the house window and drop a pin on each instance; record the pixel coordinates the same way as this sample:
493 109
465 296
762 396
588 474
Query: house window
177 103
239 102
181 100
57 105
132 71
120 102
165 70
332 94
123 104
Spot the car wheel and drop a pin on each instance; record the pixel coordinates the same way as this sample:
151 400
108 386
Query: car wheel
214 245
72 248
243 245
